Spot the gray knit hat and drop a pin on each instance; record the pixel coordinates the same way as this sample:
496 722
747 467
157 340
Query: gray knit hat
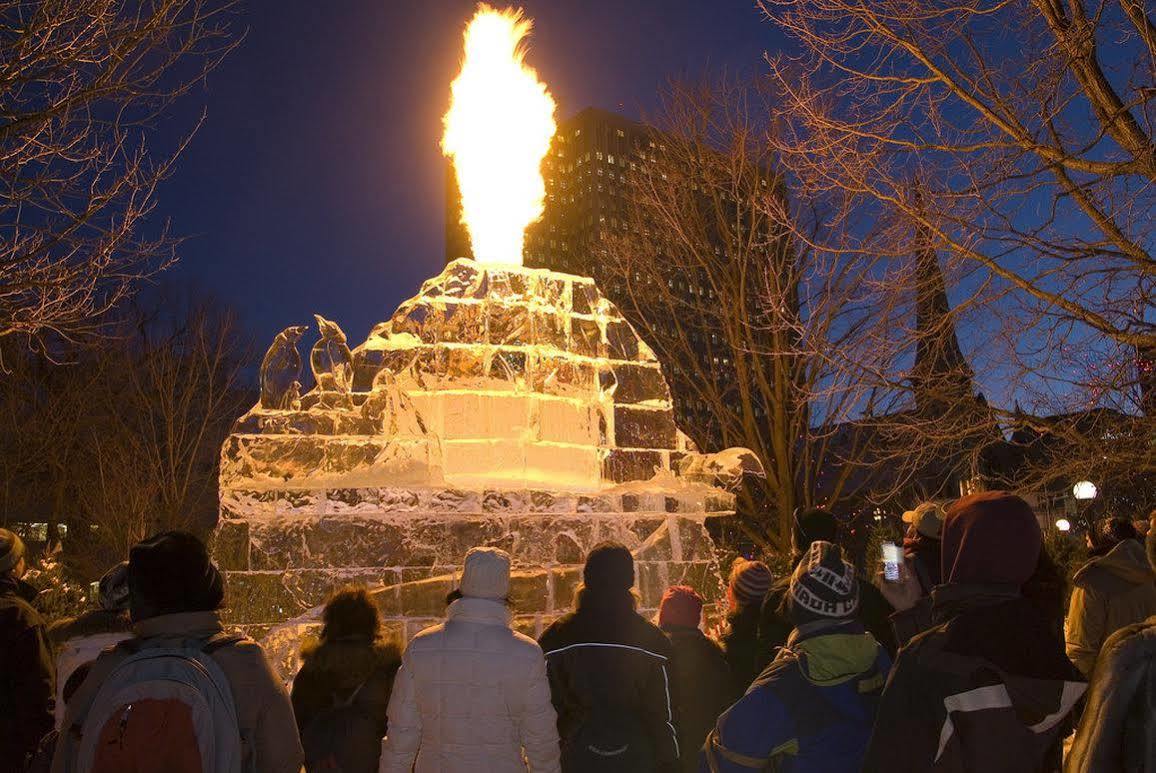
486 574
11 550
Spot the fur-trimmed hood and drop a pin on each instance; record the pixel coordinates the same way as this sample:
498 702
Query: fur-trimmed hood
347 663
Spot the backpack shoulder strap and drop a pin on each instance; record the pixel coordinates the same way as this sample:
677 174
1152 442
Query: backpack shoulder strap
220 641
352 699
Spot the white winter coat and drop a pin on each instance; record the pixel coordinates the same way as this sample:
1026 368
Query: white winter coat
471 696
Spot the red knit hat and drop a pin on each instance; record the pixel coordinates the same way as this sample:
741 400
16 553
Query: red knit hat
680 606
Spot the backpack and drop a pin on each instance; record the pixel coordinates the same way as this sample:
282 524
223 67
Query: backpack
609 741
165 706
343 739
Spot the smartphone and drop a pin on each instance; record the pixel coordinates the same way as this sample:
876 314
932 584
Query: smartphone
892 558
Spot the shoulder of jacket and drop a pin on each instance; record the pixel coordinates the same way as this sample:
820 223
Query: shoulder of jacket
426 638
525 646
651 638
557 632
1131 643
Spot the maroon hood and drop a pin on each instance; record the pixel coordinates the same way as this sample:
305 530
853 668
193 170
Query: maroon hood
990 538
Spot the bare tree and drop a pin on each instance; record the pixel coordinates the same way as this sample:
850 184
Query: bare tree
125 439
1018 139
82 84
769 343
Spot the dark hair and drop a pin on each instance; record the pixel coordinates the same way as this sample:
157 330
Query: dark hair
350 614
1111 532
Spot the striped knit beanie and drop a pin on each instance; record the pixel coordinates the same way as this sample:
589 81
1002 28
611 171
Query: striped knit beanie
750 581
823 586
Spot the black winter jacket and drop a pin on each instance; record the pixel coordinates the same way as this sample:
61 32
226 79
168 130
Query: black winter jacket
740 645
703 688
1118 728
26 683
603 659
987 688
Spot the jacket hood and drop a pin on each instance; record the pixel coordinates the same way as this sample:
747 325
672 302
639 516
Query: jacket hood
836 657
1127 560
349 662
477 610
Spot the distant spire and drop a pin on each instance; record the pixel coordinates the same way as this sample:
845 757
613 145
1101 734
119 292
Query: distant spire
941 374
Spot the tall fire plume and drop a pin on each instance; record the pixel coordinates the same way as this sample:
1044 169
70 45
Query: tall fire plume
497 131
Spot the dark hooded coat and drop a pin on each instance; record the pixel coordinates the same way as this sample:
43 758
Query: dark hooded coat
988 688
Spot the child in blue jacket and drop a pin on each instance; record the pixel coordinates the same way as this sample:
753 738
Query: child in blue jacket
813 708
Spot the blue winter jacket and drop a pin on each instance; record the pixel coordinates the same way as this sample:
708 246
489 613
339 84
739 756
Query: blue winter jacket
811 710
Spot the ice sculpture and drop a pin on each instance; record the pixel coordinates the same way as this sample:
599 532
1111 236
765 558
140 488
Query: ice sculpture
331 359
501 406
281 370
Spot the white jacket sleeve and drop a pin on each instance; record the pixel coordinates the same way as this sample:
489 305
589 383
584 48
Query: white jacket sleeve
399 749
539 723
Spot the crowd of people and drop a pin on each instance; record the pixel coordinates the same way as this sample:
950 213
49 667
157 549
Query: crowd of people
963 662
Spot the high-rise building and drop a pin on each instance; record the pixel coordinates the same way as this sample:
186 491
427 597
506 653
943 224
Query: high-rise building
585 175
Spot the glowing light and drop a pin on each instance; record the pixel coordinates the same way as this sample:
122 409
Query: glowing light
1085 489
497 131
1063 524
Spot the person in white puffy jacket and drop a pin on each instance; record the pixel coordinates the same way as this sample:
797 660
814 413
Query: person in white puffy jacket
472 694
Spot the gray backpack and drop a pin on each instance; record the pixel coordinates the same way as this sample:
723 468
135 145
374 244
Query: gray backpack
161 693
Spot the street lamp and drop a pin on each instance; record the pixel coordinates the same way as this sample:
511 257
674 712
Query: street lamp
1084 490
1063 524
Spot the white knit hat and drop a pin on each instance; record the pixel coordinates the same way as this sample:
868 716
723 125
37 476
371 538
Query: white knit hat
486 574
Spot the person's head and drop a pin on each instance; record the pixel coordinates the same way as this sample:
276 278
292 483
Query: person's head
814 525
1109 533
823 587
609 569
990 538
350 614
113 588
486 574
11 555
926 520
681 607
607 579
748 584
171 572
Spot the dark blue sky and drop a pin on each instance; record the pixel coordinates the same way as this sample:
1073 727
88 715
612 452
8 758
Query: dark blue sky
316 182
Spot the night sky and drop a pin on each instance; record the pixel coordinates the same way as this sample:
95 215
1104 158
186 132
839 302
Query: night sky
315 183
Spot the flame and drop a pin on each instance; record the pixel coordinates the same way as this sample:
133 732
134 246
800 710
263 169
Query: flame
497 131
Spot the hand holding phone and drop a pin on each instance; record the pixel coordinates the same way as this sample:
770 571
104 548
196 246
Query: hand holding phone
892 561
